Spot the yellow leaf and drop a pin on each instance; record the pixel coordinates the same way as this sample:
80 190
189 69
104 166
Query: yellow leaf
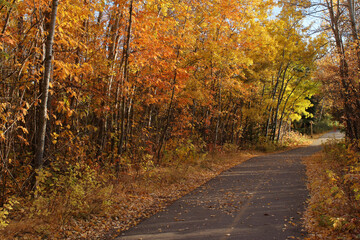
23 129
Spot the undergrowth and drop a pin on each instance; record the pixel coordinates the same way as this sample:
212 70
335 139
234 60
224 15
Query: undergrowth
324 125
288 140
74 200
334 182
80 202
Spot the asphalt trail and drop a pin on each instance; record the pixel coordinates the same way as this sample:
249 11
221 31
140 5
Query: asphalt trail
260 199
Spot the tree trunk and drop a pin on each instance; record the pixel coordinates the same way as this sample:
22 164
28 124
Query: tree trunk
168 116
218 119
126 54
354 33
8 17
283 111
346 95
42 118
282 88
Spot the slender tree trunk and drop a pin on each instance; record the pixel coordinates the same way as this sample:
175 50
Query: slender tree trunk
268 122
128 120
126 54
219 115
168 116
321 110
283 111
279 102
233 126
354 32
109 117
38 161
8 17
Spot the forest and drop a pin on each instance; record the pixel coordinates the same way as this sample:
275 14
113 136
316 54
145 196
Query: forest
93 90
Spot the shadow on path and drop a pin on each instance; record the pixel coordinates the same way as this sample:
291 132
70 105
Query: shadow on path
262 198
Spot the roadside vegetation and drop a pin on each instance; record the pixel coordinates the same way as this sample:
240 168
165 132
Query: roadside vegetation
103 104
108 107
333 210
80 202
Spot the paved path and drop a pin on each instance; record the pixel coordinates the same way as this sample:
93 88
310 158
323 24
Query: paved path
262 198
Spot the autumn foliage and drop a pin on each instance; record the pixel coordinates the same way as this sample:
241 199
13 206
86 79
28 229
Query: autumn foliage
139 83
334 185
340 70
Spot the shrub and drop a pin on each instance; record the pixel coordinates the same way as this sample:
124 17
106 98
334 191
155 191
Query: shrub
289 139
76 192
323 126
335 192
266 145
229 148
180 152
293 138
5 211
